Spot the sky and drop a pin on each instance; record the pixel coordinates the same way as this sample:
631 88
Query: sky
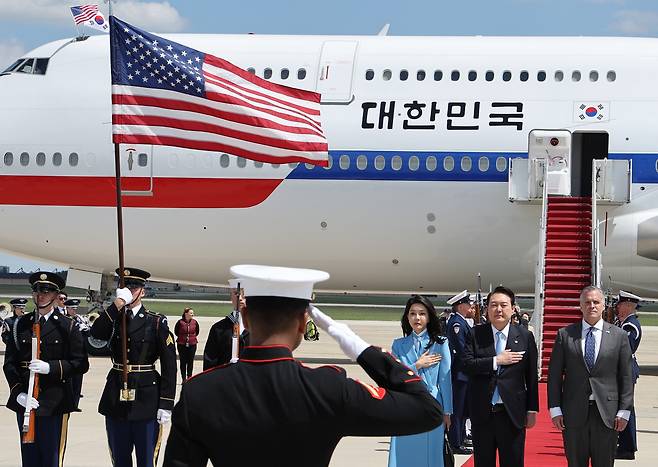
26 24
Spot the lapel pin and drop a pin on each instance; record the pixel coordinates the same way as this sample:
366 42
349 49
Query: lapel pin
141 315
516 342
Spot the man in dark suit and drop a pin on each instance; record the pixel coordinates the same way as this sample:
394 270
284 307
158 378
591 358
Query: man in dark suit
501 361
63 356
269 409
590 385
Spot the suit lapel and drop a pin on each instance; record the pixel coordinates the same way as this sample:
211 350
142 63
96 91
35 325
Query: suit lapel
605 339
137 321
578 342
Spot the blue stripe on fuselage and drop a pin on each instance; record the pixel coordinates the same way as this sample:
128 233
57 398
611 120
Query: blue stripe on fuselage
435 166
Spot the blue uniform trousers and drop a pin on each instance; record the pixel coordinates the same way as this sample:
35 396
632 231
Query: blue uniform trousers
628 437
49 441
457 431
144 436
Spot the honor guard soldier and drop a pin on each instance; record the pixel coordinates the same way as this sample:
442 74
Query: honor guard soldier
71 306
218 346
61 355
135 411
17 309
627 305
269 409
458 327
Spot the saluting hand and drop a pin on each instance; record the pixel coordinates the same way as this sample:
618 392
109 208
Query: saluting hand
427 360
507 357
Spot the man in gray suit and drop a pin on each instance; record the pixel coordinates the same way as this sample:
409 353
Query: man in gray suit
590 387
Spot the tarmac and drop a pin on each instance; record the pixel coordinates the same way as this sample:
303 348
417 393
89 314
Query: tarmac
87 445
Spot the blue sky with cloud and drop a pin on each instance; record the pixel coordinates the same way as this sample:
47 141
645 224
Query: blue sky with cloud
25 24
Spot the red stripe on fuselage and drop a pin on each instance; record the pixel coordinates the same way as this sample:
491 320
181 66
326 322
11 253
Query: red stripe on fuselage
167 192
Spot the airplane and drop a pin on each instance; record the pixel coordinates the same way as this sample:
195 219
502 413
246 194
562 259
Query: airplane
420 193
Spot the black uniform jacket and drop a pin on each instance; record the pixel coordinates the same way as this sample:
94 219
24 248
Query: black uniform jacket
269 409
148 339
218 347
62 347
517 383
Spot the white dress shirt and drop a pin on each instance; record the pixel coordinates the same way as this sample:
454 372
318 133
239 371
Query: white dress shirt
598 334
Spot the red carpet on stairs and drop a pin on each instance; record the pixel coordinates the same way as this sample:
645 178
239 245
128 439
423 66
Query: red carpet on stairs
543 445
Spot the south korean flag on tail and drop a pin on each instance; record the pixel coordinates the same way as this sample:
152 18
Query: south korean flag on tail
591 111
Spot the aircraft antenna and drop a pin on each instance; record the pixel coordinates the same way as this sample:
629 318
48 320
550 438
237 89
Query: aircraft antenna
384 30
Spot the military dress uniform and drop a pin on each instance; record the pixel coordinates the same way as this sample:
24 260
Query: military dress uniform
16 303
627 445
134 424
218 346
457 329
63 349
83 327
270 409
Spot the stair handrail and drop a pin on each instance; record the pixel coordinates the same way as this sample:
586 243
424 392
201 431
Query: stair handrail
537 319
596 253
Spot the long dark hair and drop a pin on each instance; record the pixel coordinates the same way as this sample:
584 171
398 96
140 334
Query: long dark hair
434 326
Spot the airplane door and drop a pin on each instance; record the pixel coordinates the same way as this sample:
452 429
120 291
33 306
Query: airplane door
136 169
554 146
336 71
613 180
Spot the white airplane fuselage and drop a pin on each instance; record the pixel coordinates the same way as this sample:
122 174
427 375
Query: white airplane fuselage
399 208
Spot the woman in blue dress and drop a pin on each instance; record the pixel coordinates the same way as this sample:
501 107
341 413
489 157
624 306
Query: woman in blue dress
425 350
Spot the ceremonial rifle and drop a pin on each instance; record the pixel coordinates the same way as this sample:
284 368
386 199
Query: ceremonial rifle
477 318
235 339
29 417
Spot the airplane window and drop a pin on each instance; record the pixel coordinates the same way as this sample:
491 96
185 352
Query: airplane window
57 159
275 166
472 75
414 163
559 76
523 76
438 75
330 162
466 163
267 73
41 66
396 163
448 163
285 73
380 162
73 159
386 75
361 162
344 162
241 162
656 165
142 159
501 164
26 67
309 166
25 159
593 75
258 164
251 70
9 158
575 76
14 65
454 75
301 74
507 75
483 164
420 75
489 75
612 76
541 76
41 159
224 161
404 75
370 74
430 163
292 165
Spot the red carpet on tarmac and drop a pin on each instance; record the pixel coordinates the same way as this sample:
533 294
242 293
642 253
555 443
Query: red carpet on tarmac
543 445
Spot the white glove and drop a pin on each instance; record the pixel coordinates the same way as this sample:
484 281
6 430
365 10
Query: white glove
39 366
126 295
351 344
164 416
22 399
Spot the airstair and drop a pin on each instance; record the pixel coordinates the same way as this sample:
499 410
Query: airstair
570 248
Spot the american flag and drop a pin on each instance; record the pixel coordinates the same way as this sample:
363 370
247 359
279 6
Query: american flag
83 13
164 93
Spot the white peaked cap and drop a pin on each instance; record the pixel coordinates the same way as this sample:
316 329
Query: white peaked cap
462 296
627 297
274 281
233 283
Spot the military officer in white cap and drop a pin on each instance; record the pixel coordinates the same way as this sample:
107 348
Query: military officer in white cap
269 409
458 327
218 348
626 306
